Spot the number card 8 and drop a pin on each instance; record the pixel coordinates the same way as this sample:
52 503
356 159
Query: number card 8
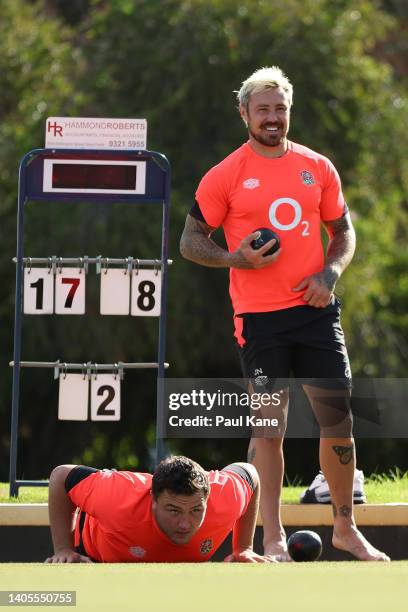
146 293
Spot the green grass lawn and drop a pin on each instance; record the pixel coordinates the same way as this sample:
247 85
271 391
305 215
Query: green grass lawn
218 587
379 488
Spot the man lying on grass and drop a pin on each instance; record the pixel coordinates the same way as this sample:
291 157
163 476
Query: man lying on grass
179 514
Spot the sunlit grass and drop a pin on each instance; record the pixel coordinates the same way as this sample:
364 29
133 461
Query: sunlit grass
391 487
379 488
237 587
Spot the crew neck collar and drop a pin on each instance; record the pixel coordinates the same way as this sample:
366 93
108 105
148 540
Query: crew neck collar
271 159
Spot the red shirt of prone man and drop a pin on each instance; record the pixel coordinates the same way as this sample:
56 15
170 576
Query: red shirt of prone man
116 522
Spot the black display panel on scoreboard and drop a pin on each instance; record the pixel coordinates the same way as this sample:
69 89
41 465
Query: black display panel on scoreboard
94 176
89 176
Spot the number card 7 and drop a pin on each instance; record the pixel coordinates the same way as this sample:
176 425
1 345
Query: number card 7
70 291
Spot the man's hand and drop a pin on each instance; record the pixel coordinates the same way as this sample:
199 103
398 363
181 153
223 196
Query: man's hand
248 556
67 555
245 257
318 288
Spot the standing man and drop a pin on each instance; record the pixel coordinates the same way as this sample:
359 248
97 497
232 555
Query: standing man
181 513
286 316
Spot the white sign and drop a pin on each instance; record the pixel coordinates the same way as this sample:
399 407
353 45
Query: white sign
70 291
115 292
73 397
146 293
38 291
95 133
105 397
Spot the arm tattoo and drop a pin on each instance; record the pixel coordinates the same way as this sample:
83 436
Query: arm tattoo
344 453
196 245
341 247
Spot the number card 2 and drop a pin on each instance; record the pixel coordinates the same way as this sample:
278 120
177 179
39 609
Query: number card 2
70 291
105 397
115 292
38 291
146 293
73 397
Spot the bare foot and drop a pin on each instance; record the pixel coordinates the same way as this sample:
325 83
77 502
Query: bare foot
278 550
355 543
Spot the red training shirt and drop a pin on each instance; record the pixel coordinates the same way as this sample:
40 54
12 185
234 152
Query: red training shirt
291 195
120 527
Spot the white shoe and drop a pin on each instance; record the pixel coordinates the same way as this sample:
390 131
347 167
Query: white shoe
318 492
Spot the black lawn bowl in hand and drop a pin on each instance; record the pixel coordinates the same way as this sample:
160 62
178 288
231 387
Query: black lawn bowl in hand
304 546
266 236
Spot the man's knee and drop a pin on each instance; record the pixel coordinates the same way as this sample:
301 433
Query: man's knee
332 410
271 444
340 428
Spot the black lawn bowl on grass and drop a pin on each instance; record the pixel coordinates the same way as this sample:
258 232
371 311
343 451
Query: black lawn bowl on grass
304 546
266 235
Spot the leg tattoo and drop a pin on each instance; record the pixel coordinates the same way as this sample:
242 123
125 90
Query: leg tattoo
345 511
345 453
251 454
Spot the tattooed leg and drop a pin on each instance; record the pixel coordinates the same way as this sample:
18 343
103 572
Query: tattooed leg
337 460
337 457
338 466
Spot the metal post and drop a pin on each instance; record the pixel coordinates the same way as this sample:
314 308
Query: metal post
160 446
17 331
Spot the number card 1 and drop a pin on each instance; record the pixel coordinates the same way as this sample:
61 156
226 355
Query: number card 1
115 292
70 291
38 291
73 397
105 397
146 293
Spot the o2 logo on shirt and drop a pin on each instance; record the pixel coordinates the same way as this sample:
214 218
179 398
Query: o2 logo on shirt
297 209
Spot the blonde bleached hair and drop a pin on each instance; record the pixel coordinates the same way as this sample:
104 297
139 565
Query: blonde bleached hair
269 77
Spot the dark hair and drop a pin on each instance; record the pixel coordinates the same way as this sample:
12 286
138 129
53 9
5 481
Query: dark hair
180 475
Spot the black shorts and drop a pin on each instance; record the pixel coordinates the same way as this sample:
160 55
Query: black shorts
302 341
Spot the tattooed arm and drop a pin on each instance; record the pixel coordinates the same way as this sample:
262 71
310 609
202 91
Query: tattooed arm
341 247
196 244
319 287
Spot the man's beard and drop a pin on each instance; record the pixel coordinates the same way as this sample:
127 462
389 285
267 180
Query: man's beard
273 140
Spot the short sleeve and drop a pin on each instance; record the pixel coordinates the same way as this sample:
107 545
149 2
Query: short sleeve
212 196
95 494
332 205
230 493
